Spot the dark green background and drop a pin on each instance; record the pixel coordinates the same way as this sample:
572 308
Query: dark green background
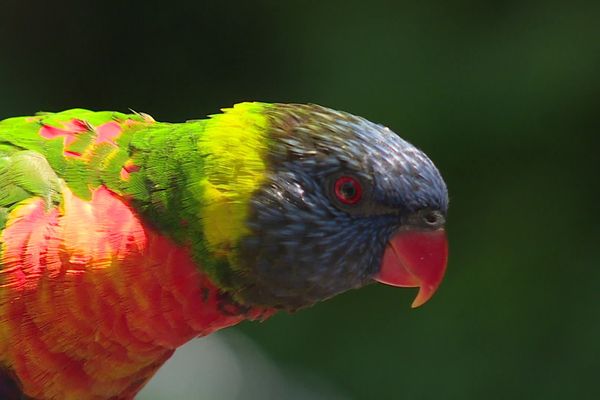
502 95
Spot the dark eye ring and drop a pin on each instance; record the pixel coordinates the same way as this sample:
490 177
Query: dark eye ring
348 190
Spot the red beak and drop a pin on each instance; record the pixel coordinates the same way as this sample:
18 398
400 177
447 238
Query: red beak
415 259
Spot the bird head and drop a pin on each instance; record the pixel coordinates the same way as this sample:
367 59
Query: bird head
344 202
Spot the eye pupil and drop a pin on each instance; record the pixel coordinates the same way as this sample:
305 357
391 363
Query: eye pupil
348 190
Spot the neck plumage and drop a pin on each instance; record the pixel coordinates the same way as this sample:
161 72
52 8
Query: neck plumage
193 182
127 262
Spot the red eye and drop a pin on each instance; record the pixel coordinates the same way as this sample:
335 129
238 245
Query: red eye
348 190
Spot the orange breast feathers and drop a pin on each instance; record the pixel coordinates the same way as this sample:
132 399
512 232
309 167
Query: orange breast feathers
93 301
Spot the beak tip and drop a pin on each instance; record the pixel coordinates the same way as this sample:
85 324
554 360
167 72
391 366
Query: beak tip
422 297
416 304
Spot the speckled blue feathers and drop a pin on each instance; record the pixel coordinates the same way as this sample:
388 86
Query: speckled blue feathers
305 245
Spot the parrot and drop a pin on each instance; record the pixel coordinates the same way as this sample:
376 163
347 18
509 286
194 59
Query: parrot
122 238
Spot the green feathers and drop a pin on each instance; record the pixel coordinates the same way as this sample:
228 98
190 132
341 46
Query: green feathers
192 181
81 146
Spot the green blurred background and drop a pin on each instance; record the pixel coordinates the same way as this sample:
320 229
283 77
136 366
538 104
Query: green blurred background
504 97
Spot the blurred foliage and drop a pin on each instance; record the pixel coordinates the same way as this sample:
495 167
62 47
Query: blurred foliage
503 95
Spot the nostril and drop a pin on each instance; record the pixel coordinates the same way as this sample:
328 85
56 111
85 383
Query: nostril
433 218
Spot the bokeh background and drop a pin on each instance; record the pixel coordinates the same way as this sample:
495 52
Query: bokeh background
504 97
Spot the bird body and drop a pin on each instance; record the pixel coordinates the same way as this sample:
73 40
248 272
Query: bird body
121 237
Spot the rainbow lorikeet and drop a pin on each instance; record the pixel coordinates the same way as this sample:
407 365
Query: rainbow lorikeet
121 238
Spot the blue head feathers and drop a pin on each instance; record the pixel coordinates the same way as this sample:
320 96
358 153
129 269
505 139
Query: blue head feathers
338 187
